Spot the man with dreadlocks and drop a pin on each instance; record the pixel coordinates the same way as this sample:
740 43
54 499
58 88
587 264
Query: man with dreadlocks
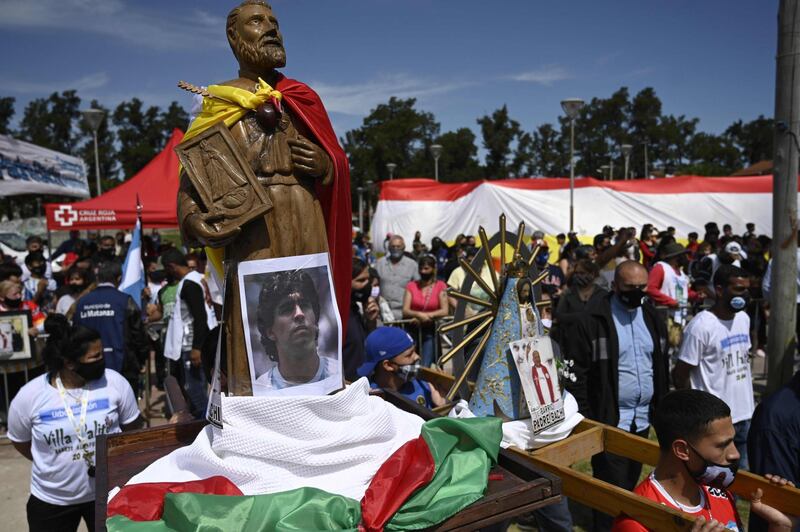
288 321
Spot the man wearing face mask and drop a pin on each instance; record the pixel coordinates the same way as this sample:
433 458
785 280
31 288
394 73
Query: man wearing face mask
106 251
619 351
363 318
37 287
392 363
697 464
668 286
116 316
714 356
396 271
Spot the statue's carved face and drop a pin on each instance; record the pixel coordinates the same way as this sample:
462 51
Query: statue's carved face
256 39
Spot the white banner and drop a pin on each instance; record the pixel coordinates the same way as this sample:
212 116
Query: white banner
686 203
29 169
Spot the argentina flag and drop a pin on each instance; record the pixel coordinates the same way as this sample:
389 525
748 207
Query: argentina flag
133 269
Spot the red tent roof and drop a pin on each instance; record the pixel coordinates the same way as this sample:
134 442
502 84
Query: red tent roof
156 185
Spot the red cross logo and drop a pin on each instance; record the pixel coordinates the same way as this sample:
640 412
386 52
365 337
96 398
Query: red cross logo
66 215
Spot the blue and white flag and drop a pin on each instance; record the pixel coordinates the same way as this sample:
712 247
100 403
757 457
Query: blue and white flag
133 269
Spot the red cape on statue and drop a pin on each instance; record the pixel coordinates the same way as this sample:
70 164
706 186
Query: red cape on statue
335 199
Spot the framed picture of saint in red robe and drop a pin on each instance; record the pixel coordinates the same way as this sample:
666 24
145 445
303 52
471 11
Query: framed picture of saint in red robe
538 374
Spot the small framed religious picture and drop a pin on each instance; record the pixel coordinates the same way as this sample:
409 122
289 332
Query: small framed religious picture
538 373
229 190
292 327
15 343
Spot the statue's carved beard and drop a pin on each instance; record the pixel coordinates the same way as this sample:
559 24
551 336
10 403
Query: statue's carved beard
261 56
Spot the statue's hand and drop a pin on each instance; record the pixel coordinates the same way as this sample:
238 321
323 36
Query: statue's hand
309 159
207 235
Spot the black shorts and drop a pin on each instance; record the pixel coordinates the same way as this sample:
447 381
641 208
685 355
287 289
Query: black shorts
46 517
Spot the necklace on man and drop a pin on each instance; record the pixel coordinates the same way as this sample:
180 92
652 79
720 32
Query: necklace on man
80 426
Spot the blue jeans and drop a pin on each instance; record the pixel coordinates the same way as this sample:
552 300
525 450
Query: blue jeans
195 385
426 349
742 428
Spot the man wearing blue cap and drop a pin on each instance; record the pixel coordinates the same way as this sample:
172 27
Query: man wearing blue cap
392 364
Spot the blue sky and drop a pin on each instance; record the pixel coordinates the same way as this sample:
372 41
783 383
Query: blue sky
710 59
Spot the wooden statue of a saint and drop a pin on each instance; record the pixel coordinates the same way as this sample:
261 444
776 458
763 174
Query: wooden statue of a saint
283 131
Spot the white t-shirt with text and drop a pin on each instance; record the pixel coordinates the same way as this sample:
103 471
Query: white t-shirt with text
59 474
719 350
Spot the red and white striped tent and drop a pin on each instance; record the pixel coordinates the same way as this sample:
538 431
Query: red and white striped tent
686 203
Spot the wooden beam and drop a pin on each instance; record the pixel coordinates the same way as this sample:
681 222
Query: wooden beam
615 501
573 449
785 499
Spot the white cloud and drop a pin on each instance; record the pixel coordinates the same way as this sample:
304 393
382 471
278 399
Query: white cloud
86 83
114 20
358 99
543 76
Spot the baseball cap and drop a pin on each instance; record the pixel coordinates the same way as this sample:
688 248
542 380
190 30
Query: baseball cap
382 344
673 249
734 247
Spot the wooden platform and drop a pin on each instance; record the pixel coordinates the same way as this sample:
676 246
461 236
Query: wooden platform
590 438
520 486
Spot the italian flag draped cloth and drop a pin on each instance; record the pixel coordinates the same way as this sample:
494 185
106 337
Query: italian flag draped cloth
424 482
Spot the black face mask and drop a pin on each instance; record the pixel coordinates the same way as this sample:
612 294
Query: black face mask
107 253
426 276
13 303
76 288
362 295
631 298
582 280
739 303
714 475
39 270
92 371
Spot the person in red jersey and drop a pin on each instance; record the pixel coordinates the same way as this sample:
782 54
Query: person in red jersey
698 463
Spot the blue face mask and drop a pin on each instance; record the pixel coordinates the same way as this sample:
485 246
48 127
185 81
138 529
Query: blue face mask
739 303
542 258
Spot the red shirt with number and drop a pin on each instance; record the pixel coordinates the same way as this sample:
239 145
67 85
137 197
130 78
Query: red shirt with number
715 503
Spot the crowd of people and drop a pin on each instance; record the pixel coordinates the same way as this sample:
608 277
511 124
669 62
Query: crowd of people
98 340
635 313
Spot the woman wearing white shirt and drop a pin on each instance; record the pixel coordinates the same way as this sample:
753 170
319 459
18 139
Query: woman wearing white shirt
54 421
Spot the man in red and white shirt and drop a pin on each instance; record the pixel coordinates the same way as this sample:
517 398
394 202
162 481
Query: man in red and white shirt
697 464
667 284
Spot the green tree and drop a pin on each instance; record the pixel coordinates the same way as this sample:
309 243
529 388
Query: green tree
600 128
6 112
393 132
754 139
551 152
49 122
711 155
500 132
106 151
140 135
459 160
675 137
175 117
644 129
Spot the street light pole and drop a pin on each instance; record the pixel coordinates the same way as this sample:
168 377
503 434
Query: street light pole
94 117
571 107
436 150
391 167
626 152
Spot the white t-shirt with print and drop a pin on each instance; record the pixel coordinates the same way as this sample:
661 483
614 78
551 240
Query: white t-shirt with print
59 472
719 350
